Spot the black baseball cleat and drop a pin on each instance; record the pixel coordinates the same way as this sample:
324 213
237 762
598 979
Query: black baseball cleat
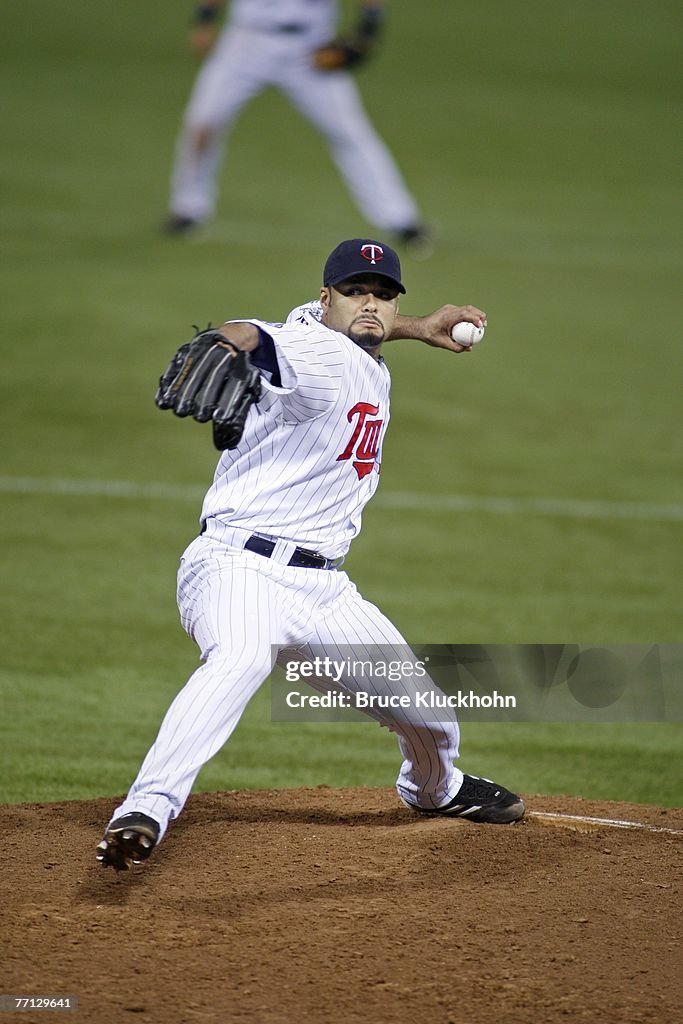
176 224
483 801
418 241
128 840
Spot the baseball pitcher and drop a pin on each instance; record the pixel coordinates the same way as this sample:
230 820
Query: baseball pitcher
299 411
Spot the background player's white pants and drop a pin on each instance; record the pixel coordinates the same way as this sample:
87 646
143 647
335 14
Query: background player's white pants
236 605
244 63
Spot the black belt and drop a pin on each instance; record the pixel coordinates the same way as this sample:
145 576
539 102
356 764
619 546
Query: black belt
301 559
290 28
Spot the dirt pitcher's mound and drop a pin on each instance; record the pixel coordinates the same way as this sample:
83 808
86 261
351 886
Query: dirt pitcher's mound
330 906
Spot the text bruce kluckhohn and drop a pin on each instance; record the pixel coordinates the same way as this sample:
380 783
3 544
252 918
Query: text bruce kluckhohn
420 699
391 670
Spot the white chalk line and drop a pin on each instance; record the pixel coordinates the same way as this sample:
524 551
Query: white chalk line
608 822
89 488
398 500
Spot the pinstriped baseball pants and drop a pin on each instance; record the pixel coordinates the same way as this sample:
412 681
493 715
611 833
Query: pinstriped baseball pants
241 608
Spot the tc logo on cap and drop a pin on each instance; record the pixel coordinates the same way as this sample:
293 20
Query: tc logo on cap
372 253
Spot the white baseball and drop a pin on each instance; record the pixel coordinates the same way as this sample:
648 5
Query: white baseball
466 333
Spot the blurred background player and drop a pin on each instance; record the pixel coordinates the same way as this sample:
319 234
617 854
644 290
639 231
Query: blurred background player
291 46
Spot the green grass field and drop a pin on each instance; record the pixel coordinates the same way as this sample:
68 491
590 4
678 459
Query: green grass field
530 492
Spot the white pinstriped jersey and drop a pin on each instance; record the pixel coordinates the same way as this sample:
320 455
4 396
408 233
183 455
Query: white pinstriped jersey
318 16
310 456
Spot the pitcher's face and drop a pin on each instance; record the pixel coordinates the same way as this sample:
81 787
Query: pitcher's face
363 308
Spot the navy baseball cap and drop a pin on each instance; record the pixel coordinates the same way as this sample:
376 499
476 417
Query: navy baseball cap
362 256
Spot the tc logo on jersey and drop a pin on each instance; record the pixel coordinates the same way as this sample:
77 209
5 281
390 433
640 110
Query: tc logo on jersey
364 442
372 253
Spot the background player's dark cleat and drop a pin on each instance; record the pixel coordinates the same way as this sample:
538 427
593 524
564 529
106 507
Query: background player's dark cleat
128 840
418 240
179 225
483 801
